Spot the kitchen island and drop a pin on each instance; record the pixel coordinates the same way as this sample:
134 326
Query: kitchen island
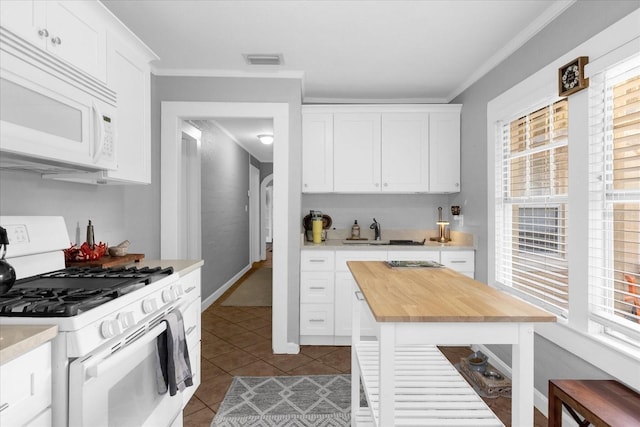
417 308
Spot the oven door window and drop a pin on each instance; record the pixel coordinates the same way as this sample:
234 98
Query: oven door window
120 389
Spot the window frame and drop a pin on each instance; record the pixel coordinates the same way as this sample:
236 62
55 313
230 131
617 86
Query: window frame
610 355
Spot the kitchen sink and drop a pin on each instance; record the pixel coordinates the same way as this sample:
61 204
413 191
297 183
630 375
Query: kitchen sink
384 242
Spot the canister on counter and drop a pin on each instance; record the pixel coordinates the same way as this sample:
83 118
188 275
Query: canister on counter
317 225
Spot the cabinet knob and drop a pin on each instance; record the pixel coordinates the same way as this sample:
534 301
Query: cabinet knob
377 185
43 32
306 185
386 184
56 40
457 184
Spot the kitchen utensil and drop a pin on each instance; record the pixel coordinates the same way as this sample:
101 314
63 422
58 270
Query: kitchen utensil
478 361
120 249
317 225
7 272
90 237
308 226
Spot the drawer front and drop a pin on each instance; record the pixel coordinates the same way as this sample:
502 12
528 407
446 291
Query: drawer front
343 256
316 287
414 256
191 319
316 319
462 261
25 388
317 261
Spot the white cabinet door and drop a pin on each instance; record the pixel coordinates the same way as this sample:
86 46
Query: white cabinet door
25 18
405 152
129 76
74 31
356 152
78 34
444 152
317 153
344 288
25 389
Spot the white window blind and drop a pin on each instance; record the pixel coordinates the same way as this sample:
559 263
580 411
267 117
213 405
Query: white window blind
532 206
614 201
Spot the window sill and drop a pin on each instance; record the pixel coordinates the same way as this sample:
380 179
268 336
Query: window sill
617 359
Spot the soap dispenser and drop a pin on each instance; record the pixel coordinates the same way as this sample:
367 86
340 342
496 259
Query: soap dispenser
355 230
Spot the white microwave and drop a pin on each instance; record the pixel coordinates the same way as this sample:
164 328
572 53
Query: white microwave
53 114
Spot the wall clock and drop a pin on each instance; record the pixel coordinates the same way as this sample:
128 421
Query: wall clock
571 76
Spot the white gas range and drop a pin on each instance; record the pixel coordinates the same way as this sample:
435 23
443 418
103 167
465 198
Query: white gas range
105 357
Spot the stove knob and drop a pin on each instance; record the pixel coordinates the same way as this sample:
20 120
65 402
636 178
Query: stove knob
149 305
178 290
110 328
126 319
169 295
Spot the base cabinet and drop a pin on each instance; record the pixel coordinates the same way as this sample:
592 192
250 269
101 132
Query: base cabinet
326 289
25 389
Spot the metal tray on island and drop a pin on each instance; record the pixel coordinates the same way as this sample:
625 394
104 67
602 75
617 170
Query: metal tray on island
414 264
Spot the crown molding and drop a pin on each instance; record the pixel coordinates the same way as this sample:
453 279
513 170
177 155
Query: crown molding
551 13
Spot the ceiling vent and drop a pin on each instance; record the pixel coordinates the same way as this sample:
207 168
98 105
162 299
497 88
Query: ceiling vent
263 59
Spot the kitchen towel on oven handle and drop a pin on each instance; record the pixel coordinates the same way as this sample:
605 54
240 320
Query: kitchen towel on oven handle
174 368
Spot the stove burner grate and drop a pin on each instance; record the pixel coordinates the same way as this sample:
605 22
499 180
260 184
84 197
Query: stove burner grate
72 291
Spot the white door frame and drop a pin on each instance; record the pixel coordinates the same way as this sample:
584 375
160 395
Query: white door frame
193 209
254 214
263 215
172 114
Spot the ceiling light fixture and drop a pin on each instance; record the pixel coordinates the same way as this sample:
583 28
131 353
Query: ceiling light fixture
266 139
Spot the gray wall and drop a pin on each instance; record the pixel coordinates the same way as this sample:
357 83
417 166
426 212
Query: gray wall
225 222
577 24
392 211
25 193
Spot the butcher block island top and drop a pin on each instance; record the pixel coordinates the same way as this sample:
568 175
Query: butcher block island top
436 295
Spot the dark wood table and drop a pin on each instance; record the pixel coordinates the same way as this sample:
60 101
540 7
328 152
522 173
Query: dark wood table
600 402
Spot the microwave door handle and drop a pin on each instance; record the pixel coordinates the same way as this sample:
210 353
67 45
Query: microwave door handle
105 364
97 114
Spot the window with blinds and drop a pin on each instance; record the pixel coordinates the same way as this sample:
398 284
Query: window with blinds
614 201
532 206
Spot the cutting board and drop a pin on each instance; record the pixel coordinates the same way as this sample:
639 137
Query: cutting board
107 261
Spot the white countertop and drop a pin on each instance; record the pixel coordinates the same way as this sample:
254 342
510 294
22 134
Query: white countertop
428 245
16 340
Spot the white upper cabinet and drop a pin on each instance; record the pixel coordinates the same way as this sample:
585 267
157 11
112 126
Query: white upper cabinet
405 152
129 75
444 152
381 148
73 31
357 152
317 152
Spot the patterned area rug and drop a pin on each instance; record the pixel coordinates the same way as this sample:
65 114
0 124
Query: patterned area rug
312 400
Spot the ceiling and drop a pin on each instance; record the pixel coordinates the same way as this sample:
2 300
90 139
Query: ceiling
344 51
245 131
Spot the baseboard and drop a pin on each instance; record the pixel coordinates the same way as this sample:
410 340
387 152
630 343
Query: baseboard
206 303
540 401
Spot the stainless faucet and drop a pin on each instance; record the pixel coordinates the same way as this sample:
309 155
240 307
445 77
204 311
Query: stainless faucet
376 229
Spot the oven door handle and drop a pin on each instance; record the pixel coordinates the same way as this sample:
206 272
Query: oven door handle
106 363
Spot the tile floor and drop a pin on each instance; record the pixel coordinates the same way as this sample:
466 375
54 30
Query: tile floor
237 341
